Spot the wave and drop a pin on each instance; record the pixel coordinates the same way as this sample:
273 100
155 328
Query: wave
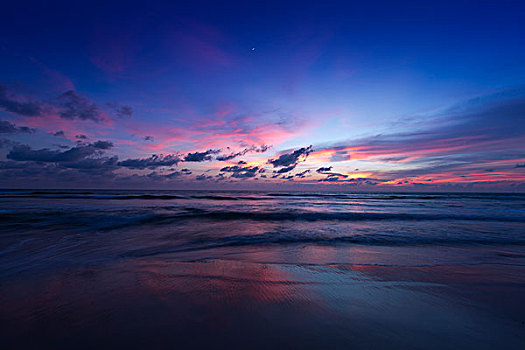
111 220
219 198
91 195
329 216
148 196
301 237
87 195
252 196
306 195
348 196
58 192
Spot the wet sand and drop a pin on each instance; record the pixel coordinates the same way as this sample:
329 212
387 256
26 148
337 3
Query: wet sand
242 302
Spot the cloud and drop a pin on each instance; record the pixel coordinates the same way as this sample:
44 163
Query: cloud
149 138
489 126
82 164
242 172
460 141
5 143
328 171
253 148
229 156
45 155
324 170
59 133
121 111
23 108
68 105
203 177
152 162
10 128
99 165
303 174
85 172
81 137
103 144
200 156
285 170
289 159
173 175
330 178
125 111
72 105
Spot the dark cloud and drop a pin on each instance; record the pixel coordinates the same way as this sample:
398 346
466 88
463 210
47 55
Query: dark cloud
22 108
45 155
152 162
520 165
120 111
7 165
225 157
289 159
81 137
72 105
241 162
124 111
201 156
103 144
173 175
252 148
354 181
324 170
149 138
203 177
261 149
285 170
330 178
5 143
99 165
303 174
69 105
241 172
328 171
85 172
83 164
59 133
10 128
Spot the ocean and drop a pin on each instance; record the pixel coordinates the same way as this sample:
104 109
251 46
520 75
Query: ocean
261 269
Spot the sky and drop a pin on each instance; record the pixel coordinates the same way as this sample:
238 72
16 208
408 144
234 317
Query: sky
292 95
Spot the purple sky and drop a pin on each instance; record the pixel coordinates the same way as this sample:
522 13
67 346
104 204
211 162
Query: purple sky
238 95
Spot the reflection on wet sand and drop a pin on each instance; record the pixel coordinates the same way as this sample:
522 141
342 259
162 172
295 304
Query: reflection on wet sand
211 302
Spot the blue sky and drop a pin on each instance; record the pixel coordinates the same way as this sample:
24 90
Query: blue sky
413 94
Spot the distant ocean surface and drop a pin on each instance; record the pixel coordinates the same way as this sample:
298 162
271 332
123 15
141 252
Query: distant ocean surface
262 269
